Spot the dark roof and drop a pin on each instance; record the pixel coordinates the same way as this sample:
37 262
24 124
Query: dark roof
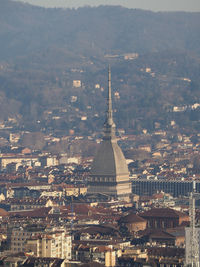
157 234
99 229
163 212
177 231
160 234
131 218
36 213
92 264
40 261
166 252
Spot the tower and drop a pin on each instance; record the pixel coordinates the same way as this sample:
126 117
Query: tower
192 233
109 172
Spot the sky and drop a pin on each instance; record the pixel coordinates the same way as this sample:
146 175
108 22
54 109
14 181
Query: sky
154 5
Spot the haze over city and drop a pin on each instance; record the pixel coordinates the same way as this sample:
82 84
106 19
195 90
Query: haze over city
155 5
99 166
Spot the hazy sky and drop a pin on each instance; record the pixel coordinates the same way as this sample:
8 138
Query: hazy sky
155 5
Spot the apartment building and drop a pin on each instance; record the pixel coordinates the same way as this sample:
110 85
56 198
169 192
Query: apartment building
19 236
53 245
56 244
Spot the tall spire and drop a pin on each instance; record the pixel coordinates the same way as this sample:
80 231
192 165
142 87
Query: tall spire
109 100
109 125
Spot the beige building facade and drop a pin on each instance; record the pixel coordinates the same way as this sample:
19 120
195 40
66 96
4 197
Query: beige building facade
52 245
55 244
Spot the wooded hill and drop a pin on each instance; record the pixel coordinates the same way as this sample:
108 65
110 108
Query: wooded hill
43 50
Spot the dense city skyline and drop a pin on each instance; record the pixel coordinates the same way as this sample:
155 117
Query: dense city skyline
155 5
70 194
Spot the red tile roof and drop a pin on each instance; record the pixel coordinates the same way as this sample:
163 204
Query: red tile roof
37 213
3 213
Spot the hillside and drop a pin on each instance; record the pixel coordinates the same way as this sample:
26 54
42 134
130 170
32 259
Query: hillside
43 50
89 31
